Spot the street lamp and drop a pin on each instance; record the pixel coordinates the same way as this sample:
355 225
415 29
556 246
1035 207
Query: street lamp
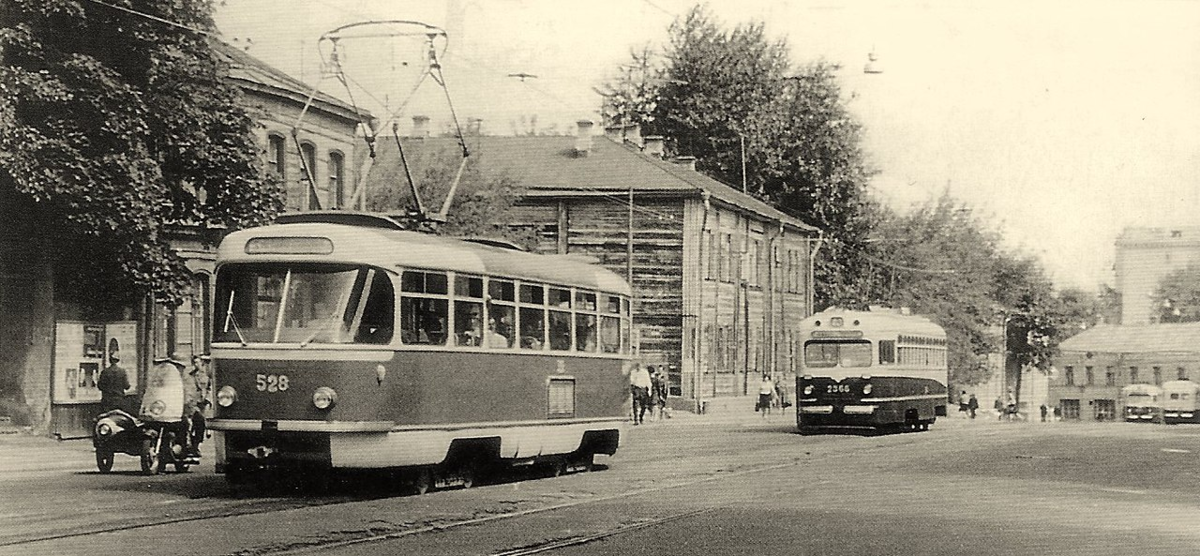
873 66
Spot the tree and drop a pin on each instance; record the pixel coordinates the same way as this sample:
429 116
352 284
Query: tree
115 125
1177 298
720 93
481 204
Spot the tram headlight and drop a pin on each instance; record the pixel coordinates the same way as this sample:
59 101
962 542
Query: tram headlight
226 396
324 397
808 390
866 389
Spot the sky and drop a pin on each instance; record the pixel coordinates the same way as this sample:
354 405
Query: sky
1061 122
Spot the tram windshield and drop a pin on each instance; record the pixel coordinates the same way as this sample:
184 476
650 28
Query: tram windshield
837 354
303 303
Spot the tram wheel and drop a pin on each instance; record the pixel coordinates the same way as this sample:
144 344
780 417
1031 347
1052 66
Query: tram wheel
149 458
558 467
104 460
422 481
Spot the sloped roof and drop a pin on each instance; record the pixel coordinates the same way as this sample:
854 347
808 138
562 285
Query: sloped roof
550 166
262 77
1144 338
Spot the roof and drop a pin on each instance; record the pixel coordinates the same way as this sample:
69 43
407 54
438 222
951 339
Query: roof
257 75
549 166
1142 338
391 248
875 319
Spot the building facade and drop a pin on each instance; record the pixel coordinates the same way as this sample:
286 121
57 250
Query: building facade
1144 256
54 351
1095 364
720 278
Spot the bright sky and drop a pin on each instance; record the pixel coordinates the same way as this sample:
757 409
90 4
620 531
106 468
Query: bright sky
1063 121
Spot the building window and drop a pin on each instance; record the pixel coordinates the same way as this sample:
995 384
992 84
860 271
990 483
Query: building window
1158 375
277 156
1110 376
1090 376
1070 409
711 272
1105 410
1069 376
309 152
337 185
1181 374
1133 375
726 257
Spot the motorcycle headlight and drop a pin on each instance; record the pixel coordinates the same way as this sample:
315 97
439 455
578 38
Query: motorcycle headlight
324 397
808 390
104 429
866 389
226 396
157 408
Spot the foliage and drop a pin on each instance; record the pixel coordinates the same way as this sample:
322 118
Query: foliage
115 126
481 206
945 261
1177 298
721 92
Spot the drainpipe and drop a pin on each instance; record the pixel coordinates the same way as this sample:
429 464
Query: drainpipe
696 350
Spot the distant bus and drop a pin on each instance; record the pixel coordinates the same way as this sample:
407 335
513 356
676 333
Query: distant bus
343 341
1142 402
879 369
1179 398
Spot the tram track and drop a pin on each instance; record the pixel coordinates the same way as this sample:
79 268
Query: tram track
366 534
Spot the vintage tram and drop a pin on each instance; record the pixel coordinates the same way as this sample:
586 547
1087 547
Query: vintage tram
343 341
1142 403
882 369
1179 399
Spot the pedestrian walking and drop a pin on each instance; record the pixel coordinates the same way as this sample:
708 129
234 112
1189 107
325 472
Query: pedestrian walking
639 388
973 405
1044 410
766 391
658 392
999 407
963 403
197 385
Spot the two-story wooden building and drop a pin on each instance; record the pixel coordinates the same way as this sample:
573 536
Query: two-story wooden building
720 278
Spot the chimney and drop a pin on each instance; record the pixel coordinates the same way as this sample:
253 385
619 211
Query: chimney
633 135
654 146
613 132
420 127
688 161
583 138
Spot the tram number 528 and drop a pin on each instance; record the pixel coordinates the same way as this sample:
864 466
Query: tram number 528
271 383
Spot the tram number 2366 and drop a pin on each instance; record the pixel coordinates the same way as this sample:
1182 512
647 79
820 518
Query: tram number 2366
829 388
271 383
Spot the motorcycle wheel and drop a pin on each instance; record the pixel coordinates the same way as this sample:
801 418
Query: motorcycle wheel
150 461
181 467
104 460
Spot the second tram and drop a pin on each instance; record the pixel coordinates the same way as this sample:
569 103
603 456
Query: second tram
878 369
1179 402
1142 403
343 341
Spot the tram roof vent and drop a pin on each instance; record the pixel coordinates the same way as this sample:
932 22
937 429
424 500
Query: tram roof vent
494 242
348 218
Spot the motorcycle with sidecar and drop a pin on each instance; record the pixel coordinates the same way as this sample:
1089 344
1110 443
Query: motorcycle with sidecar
157 434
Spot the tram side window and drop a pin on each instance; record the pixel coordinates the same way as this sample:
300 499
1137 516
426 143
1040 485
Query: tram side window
585 332
560 330
533 327
468 323
610 334
468 315
501 313
887 352
423 320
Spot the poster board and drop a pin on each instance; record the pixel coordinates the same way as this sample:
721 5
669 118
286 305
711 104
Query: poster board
81 351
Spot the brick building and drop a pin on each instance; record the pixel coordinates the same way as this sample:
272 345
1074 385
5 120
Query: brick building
1095 364
53 351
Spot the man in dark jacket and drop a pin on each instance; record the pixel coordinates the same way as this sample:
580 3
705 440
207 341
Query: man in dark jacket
112 384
